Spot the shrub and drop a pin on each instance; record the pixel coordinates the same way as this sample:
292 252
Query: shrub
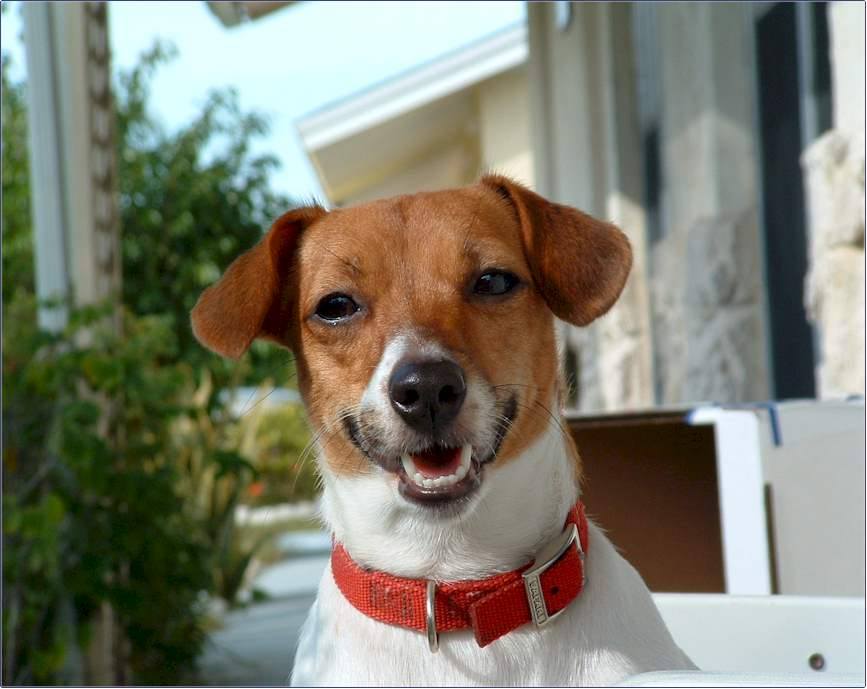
121 466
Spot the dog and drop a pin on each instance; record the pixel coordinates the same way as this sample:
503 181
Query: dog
423 330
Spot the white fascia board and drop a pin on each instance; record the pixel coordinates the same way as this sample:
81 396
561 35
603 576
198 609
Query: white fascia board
746 551
423 85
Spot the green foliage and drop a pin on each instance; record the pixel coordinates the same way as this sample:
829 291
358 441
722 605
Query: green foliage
191 201
213 448
121 466
283 457
92 507
17 245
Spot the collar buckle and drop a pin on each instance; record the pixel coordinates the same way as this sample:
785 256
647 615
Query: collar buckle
433 637
547 557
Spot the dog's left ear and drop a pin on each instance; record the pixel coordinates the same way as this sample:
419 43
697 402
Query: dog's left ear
250 300
579 264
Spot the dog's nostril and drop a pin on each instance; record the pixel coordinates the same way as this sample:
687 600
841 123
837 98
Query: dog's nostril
448 395
409 397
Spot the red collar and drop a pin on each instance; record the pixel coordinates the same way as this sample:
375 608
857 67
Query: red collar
492 607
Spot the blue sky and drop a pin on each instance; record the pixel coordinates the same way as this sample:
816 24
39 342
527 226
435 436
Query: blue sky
290 62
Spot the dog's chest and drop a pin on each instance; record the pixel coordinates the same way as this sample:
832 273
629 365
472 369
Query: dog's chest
351 648
610 632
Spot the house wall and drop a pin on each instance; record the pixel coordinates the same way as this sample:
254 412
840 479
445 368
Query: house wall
496 137
504 126
450 164
690 325
585 131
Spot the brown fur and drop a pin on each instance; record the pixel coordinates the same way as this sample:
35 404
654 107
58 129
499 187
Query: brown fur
411 262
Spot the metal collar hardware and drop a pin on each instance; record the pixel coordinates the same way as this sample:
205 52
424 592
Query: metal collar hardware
433 638
532 577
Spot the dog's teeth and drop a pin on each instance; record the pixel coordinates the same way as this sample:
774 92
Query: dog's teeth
466 456
408 466
420 480
466 459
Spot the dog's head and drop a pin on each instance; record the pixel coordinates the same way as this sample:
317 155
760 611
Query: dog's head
422 326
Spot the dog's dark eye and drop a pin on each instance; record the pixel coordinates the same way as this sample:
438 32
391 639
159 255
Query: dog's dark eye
495 282
336 307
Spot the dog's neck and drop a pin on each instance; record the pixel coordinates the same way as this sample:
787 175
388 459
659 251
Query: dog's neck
521 506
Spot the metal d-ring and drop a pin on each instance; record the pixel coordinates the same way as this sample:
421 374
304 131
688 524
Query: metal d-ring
433 639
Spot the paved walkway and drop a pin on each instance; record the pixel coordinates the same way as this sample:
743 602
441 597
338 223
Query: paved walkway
256 644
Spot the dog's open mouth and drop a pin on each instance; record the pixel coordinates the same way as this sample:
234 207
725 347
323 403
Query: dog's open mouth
444 472
438 474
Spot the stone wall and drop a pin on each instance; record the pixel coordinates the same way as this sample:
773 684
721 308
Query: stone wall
708 312
723 311
834 178
833 168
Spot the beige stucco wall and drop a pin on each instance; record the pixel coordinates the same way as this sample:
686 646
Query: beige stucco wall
504 126
450 164
497 138
700 283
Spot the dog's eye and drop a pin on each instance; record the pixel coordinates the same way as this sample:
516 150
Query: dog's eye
495 282
336 307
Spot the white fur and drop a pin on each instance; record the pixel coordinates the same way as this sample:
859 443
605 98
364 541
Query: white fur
611 631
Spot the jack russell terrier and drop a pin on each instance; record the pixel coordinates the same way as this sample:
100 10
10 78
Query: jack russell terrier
423 333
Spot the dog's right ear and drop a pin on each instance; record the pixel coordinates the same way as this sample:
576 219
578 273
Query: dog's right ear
250 300
579 264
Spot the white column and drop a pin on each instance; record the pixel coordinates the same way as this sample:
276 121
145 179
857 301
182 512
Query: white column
72 152
74 206
46 161
624 335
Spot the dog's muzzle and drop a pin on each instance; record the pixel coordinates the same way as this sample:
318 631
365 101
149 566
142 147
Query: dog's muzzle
437 455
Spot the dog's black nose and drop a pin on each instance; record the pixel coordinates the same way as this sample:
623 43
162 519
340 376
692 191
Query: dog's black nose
427 395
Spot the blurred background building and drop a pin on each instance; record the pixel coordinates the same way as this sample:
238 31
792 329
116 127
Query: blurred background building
726 139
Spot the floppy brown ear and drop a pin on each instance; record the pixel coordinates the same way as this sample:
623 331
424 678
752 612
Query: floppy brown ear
579 264
249 300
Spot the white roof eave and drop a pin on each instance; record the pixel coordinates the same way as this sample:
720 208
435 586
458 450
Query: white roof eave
415 89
